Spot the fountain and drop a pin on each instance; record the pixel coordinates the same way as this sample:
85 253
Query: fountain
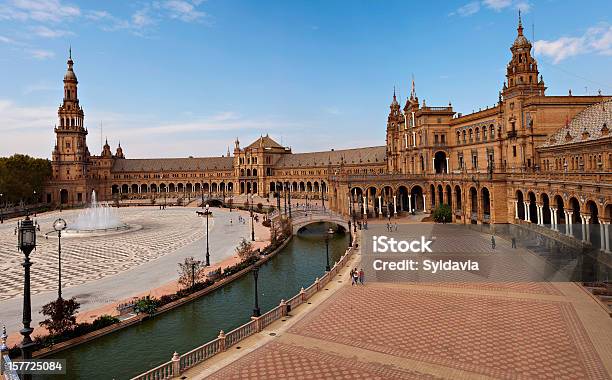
97 218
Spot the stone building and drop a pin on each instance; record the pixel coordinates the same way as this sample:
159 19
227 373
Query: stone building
530 156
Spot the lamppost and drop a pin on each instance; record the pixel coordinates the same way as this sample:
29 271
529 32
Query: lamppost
59 225
207 247
289 200
322 197
330 232
1 209
350 233
202 193
256 311
252 219
27 243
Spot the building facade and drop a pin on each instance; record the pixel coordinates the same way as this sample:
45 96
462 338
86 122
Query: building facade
530 156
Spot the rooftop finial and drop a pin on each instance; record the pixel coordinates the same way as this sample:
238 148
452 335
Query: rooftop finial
70 51
412 89
520 24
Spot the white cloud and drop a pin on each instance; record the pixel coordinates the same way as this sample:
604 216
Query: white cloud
37 10
181 9
6 40
40 53
596 40
43 31
495 5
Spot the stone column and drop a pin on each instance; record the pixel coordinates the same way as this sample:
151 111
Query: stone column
433 165
395 205
553 218
365 205
409 202
586 228
607 236
447 163
602 236
570 224
516 215
379 207
526 209
424 203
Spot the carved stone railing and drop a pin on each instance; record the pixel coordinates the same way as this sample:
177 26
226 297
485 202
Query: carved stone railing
180 363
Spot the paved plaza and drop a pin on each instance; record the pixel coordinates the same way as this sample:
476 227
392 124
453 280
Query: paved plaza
106 269
521 330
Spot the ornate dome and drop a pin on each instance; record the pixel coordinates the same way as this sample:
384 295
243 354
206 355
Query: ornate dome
70 75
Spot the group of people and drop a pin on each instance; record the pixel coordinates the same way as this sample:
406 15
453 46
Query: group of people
362 225
357 276
392 227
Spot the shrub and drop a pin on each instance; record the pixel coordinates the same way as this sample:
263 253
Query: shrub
442 214
245 250
146 305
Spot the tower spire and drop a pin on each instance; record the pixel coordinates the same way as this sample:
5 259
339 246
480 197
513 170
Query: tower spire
412 90
520 24
70 51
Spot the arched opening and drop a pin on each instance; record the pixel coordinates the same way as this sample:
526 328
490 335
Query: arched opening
255 188
242 188
309 186
144 188
458 197
213 187
272 187
230 187
315 187
180 188
432 191
125 188
63 196
533 209
545 209
302 186
560 213
440 162
372 205
206 187
449 199
189 187
134 188
248 172
486 205
473 205
198 187
356 201
388 208
520 205
440 195
254 172
171 188
593 228
402 199
416 194
248 188
153 188
162 188
574 207
115 189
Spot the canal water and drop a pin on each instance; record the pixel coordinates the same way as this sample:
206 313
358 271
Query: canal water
129 352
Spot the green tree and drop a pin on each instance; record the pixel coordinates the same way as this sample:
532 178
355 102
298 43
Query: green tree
61 315
442 214
191 271
147 305
21 175
245 250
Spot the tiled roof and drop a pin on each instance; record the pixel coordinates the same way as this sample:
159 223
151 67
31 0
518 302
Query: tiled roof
376 154
587 125
173 164
266 141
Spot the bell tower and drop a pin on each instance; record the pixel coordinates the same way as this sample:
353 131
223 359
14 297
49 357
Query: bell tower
70 155
522 70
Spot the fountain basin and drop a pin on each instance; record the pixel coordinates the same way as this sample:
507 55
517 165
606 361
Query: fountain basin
120 229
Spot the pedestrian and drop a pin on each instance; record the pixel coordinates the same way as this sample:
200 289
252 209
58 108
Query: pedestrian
355 276
513 242
352 277
492 241
395 227
361 276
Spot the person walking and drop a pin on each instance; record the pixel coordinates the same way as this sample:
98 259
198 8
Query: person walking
513 242
361 276
356 276
492 241
352 277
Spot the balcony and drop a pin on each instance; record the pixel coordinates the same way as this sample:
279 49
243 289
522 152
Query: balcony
511 134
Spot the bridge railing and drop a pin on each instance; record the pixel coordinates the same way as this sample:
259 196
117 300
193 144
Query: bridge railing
180 363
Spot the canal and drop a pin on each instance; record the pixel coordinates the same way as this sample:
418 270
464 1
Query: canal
129 352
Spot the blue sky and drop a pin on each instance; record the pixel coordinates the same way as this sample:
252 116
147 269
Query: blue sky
175 78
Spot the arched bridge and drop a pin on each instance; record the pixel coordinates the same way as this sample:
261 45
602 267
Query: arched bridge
302 217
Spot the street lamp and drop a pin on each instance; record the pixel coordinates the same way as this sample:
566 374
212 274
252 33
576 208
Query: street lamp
256 311
26 243
207 247
202 192
252 219
59 225
1 209
330 232
350 233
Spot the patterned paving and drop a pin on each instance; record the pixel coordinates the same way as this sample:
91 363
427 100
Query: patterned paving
286 361
493 336
88 259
